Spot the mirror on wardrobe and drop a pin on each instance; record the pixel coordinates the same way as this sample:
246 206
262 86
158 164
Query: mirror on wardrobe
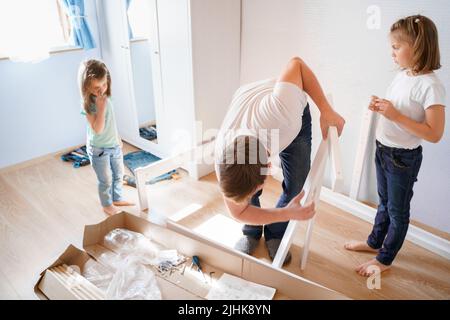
139 31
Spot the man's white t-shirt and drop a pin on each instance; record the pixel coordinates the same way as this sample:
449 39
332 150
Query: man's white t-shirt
411 95
269 110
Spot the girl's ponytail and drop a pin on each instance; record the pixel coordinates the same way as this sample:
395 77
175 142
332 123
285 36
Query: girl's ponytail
426 50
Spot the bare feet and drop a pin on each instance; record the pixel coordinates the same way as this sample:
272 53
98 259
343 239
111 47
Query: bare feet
111 210
359 246
371 267
123 203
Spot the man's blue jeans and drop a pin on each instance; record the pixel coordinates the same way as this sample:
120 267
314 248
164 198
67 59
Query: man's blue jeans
295 163
108 166
397 170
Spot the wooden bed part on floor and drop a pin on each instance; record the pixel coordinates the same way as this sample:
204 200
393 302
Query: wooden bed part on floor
183 159
328 148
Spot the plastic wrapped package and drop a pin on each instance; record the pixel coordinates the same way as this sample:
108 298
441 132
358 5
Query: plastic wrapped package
111 259
129 256
120 239
129 242
133 281
98 274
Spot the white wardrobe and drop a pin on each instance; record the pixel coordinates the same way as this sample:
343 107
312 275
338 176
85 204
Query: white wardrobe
195 68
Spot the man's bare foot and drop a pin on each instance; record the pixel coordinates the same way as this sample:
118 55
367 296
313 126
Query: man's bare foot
123 203
111 210
359 246
371 267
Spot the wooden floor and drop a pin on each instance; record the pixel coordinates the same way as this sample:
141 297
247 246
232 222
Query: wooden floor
45 204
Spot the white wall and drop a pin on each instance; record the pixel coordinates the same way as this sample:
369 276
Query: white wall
40 103
215 32
352 63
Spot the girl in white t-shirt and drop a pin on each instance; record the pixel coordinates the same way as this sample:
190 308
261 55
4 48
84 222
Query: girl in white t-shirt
412 110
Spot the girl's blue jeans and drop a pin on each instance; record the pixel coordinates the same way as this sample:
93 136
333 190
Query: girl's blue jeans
397 171
108 166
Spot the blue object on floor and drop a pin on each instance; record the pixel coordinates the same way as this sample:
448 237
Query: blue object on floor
79 157
129 180
148 133
137 159
165 176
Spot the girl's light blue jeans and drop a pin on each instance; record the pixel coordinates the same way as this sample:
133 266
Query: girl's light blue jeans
108 166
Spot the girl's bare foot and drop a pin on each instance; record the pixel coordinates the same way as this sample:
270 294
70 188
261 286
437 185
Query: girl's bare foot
111 210
359 246
371 267
123 203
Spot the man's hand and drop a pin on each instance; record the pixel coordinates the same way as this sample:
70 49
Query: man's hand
331 118
386 108
297 211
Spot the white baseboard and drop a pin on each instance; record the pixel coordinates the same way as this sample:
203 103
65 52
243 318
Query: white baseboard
415 234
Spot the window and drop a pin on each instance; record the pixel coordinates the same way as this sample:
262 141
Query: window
32 25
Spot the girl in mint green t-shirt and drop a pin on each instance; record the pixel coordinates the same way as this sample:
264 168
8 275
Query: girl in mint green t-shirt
103 143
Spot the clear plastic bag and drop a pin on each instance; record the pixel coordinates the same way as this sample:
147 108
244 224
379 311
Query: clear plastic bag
133 281
97 274
120 239
127 242
129 256
111 259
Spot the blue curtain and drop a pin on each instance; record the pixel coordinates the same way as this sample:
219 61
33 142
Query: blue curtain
130 32
81 35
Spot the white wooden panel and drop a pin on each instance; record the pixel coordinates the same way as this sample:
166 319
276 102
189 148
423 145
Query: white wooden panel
215 30
313 187
337 176
177 120
361 153
116 54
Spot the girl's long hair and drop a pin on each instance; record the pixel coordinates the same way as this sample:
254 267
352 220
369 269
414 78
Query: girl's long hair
88 71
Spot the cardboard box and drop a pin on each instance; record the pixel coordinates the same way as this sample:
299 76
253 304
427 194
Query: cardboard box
191 284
